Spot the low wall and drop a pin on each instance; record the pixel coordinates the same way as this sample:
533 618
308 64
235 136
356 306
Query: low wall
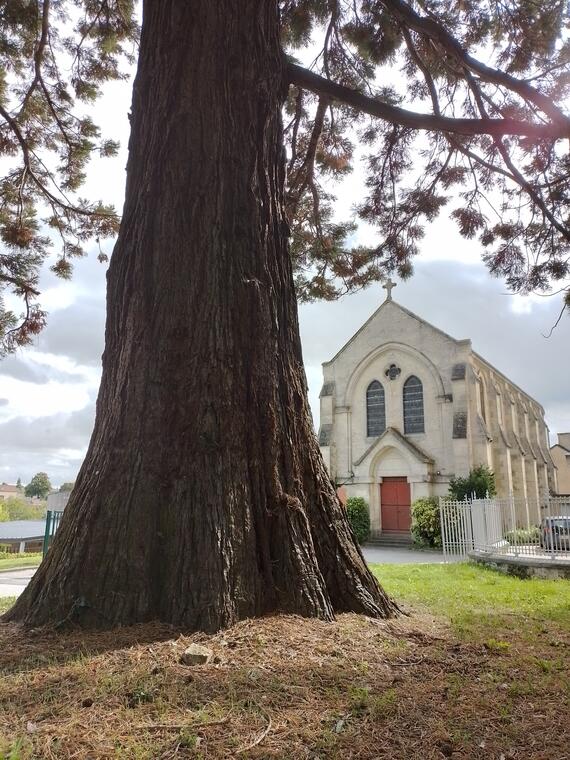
524 567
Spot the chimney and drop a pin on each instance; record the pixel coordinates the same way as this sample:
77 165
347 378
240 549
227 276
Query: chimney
564 440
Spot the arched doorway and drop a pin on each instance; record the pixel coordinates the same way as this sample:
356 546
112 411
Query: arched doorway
392 476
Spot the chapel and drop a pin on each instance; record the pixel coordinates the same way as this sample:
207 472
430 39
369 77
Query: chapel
405 407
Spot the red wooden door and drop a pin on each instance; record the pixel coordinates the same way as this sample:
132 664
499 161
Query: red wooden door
395 504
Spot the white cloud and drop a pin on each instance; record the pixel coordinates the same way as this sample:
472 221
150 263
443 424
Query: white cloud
40 400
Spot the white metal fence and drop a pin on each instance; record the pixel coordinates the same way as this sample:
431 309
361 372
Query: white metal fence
512 527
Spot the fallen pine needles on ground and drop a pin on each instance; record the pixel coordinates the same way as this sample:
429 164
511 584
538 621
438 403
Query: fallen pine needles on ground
288 687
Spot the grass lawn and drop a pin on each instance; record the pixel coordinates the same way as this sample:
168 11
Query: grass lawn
13 561
477 670
6 602
476 600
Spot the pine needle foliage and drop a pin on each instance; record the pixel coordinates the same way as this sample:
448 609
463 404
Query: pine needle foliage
457 105
55 58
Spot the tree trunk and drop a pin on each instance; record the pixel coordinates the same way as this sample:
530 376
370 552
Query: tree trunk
203 498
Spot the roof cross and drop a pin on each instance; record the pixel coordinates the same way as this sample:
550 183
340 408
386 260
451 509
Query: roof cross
388 286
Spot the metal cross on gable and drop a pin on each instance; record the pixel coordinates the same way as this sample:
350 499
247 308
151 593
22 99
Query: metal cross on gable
388 286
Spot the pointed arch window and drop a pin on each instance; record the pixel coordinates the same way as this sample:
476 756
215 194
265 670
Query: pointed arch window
375 409
481 399
413 405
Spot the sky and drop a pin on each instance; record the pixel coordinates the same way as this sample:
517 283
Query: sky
48 390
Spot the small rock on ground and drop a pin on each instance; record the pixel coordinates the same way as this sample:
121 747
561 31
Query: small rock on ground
196 654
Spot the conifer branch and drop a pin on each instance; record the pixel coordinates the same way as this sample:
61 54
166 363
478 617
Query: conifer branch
306 79
429 27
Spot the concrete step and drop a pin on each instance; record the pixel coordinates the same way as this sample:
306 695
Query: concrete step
391 539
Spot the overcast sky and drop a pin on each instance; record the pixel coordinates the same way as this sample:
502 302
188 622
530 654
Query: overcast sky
48 391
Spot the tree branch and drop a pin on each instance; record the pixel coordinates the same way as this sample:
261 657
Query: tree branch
431 28
38 55
518 177
22 285
39 184
393 114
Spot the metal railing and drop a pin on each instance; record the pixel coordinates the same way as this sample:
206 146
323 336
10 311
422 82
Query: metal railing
52 523
515 527
456 528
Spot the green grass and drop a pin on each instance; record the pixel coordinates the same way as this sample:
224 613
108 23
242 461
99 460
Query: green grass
475 599
6 602
13 561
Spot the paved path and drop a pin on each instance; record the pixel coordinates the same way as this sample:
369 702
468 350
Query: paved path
403 556
13 582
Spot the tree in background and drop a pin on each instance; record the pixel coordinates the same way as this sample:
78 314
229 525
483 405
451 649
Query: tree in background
4 516
19 484
66 487
39 486
203 498
480 482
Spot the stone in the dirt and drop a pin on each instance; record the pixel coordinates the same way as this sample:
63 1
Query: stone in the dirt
196 654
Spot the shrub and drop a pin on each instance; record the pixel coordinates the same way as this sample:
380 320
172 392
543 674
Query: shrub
426 522
20 509
523 536
480 481
358 517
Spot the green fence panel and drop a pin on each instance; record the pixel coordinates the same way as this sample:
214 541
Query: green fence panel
52 522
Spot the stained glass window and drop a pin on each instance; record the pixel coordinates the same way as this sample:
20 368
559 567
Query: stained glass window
413 405
375 409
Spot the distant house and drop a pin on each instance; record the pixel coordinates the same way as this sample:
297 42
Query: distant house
560 454
57 500
22 535
7 491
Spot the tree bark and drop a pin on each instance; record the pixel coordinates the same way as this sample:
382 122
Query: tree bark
203 498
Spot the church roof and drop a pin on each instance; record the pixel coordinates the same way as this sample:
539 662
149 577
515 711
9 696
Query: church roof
406 311
560 446
507 379
462 341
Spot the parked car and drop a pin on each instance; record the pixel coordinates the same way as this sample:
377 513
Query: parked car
555 533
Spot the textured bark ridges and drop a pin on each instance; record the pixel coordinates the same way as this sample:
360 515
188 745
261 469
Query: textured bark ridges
203 498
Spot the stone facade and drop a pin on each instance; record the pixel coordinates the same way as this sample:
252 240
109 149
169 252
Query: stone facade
472 414
560 454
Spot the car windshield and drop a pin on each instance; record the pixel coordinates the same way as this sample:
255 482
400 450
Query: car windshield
560 522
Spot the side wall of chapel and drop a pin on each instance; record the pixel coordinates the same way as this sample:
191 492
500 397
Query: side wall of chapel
509 434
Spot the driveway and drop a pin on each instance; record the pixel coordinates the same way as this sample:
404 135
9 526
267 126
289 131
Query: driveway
13 582
401 556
